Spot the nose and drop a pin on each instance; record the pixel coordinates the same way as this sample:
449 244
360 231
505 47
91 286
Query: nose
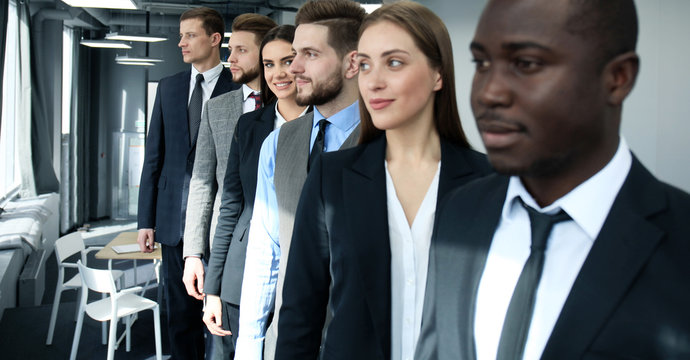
374 79
297 66
181 43
491 89
232 58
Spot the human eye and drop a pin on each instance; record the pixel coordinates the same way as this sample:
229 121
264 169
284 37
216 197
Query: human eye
287 62
395 63
311 54
480 64
364 66
527 65
268 65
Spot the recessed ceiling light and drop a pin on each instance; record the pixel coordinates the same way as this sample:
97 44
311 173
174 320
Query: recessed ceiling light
105 4
107 44
228 34
369 8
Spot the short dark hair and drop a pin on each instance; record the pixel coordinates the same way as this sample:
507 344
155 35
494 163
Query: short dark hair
211 20
431 36
610 25
257 24
284 33
342 18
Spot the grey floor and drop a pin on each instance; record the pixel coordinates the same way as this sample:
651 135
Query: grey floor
23 330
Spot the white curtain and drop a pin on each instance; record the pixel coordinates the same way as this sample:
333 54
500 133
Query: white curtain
23 103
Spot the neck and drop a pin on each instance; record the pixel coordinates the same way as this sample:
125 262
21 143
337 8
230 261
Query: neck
545 189
255 84
289 109
418 142
207 64
348 95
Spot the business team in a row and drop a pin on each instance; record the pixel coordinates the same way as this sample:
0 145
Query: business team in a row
352 220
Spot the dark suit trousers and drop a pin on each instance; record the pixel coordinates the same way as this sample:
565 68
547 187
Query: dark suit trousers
185 324
231 321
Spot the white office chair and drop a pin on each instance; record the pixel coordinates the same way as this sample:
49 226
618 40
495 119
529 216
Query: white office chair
65 247
120 304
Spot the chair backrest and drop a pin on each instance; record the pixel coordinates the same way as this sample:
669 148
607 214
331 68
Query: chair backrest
68 245
96 279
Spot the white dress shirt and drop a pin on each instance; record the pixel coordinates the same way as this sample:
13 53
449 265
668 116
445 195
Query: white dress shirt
567 248
210 79
409 263
263 249
248 104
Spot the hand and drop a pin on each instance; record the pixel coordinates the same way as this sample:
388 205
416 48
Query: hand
145 240
193 277
213 313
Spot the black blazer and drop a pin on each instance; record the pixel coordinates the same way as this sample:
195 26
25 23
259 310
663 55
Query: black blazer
341 239
169 158
629 301
226 264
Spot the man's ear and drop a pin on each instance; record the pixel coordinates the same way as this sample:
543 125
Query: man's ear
215 39
620 75
351 64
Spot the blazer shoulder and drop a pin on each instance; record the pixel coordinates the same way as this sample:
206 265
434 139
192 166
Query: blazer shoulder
477 161
225 100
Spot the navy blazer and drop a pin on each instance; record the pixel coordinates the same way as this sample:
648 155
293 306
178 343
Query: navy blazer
169 158
226 264
341 239
630 299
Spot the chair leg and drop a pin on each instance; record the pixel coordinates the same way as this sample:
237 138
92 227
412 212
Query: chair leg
128 332
79 290
112 337
104 328
157 331
53 314
77 334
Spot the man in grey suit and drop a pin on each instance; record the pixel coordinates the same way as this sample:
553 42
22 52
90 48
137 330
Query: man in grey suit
576 251
326 75
213 147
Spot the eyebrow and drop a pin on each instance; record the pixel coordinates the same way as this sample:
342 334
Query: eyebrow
384 54
512 46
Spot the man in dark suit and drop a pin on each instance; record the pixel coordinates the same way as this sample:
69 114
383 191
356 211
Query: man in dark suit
168 163
576 251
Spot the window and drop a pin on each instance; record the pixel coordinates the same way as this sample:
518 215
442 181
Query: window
10 176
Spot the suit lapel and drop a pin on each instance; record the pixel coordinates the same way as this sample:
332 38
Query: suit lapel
460 251
620 252
224 83
364 195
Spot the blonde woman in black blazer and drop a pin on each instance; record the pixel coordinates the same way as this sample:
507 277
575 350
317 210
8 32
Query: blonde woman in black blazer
346 248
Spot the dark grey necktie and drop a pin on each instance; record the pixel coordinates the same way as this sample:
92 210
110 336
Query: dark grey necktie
519 315
319 144
194 109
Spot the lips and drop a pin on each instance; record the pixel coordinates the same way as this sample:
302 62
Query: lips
282 85
499 134
234 69
378 104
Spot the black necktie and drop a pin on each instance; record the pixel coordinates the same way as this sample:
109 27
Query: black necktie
194 109
257 100
519 314
319 144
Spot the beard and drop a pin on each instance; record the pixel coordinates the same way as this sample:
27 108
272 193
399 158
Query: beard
247 76
322 92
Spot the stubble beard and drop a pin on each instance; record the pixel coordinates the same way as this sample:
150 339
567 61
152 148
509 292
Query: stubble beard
247 76
323 92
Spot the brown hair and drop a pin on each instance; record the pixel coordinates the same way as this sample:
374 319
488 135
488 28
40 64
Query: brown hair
257 24
278 33
431 36
211 20
341 17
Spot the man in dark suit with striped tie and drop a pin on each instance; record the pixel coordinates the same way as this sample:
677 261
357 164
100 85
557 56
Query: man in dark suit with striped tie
168 163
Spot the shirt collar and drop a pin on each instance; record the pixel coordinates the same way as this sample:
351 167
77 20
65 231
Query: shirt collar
344 119
246 91
600 189
210 74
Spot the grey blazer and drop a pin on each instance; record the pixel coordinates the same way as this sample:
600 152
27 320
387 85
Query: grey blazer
292 156
206 186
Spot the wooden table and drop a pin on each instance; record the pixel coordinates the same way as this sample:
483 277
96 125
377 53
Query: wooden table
125 238
130 237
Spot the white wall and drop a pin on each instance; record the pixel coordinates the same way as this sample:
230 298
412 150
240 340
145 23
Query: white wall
656 117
